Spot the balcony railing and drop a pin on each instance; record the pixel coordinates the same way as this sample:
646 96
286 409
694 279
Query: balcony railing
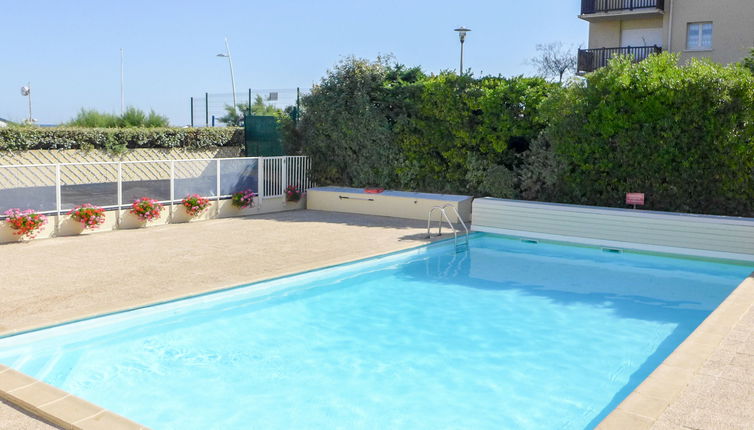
592 59
597 6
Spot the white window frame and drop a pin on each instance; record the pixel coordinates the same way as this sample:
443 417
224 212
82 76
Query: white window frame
700 46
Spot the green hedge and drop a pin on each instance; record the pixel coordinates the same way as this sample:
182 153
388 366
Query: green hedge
684 135
117 139
681 133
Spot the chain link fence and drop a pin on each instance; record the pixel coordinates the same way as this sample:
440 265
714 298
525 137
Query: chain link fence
211 110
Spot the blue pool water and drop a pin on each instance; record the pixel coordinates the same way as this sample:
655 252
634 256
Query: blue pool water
507 335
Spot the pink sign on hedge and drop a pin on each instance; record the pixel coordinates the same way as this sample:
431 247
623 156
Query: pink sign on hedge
636 199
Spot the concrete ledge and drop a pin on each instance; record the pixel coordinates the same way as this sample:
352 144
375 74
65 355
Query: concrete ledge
398 204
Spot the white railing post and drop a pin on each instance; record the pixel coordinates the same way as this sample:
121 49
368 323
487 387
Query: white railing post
172 182
58 193
172 187
260 180
119 194
217 170
284 175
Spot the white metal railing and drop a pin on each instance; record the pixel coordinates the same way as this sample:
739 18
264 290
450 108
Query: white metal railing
444 216
56 188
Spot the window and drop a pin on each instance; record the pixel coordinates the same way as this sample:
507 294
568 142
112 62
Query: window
699 36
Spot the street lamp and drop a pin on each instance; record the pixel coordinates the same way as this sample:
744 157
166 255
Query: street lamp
230 62
26 91
462 35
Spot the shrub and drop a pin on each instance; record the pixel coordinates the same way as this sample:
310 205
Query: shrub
146 209
117 139
243 199
132 117
347 125
195 204
684 135
88 215
27 223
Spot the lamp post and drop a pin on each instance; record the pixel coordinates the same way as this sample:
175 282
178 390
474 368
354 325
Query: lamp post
462 35
122 93
230 62
26 91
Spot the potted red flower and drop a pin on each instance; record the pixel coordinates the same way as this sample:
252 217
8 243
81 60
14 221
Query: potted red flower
195 204
27 223
88 215
146 209
243 199
292 193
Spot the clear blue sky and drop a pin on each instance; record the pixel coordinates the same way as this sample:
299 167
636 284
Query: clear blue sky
70 50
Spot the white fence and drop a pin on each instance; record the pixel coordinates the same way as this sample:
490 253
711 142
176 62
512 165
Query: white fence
56 188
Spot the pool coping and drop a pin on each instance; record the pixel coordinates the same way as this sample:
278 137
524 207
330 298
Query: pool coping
56 406
644 406
640 410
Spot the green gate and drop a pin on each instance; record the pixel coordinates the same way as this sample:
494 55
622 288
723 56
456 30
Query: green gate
262 136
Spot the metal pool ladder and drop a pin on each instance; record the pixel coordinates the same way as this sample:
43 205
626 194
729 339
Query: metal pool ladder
444 215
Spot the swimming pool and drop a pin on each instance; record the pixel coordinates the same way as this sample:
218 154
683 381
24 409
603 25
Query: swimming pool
507 335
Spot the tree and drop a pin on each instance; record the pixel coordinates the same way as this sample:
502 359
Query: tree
555 61
347 122
234 116
749 61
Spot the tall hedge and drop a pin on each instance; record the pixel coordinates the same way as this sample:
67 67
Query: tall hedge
348 121
379 123
116 139
684 135
467 134
681 133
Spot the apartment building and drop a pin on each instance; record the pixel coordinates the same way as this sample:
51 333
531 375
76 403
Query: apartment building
722 30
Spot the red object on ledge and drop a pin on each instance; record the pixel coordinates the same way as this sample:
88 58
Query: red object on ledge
373 190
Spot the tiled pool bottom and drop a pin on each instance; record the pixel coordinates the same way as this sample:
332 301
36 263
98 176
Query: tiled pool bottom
509 335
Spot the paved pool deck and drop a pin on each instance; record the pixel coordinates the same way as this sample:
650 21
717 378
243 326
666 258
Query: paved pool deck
708 383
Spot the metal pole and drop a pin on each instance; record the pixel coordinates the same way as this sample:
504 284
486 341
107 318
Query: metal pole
122 93
31 120
249 107
206 109
232 79
192 111
58 193
461 72
219 185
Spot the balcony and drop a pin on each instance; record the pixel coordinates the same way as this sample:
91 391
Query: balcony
592 59
600 10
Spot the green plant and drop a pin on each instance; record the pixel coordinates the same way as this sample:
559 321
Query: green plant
347 121
234 115
748 62
117 139
684 135
132 117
